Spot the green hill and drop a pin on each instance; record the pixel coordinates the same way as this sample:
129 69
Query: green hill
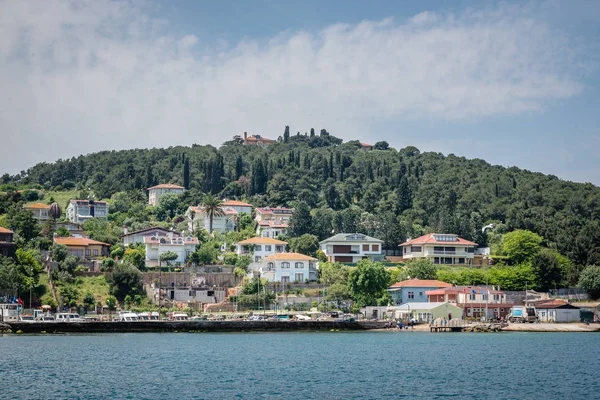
388 193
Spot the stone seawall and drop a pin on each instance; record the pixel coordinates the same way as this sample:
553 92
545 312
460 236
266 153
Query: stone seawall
193 326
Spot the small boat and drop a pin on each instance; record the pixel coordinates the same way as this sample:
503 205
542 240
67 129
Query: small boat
128 316
148 316
69 317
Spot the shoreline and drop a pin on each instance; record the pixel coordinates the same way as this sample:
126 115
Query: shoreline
264 326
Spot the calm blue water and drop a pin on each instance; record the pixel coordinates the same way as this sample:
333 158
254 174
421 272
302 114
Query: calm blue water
333 365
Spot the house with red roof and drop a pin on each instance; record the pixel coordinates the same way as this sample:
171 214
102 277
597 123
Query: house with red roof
84 248
413 290
440 248
39 211
155 192
473 300
257 140
272 221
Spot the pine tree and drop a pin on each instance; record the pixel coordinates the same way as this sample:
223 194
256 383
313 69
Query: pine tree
186 173
404 201
286 134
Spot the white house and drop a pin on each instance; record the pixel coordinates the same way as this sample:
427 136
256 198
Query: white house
351 248
79 211
272 221
289 267
259 248
39 211
157 245
198 219
138 236
440 248
557 311
155 192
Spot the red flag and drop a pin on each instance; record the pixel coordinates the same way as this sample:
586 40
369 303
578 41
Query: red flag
20 301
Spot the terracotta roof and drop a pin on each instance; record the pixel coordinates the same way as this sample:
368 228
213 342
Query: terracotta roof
482 305
166 186
254 139
421 283
365 144
236 203
430 239
74 241
4 230
229 211
290 256
37 206
261 240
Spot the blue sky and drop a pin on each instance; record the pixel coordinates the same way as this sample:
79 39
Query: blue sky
514 83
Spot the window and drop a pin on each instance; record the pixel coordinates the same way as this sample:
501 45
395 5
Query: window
375 247
257 247
461 260
472 296
210 292
405 250
88 252
365 247
299 278
415 249
257 259
420 293
285 264
285 279
411 295
95 252
436 260
502 310
299 265
496 297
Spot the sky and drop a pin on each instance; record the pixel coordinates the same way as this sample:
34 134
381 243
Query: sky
513 83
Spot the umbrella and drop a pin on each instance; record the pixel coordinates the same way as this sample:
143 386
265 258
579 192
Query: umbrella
46 306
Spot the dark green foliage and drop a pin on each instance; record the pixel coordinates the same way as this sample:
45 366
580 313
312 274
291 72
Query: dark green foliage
421 268
125 279
306 244
367 283
301 221
590 280
186 173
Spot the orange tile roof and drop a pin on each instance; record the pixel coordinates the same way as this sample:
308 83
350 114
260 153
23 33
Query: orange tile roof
4 230
166 186
236 203
430 239
254 139
365 144
290 256
74 241
261 240
37 206
421 283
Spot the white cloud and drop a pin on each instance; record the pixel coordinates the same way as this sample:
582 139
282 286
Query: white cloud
80 77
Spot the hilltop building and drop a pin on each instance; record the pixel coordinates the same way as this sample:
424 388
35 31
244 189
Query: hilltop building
80 211
257 140
352 247
7 246
156 192
272 221
39 211
440 248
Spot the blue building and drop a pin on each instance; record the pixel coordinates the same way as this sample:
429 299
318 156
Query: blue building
413 290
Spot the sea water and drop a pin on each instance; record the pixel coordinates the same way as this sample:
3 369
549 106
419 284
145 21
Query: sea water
303 365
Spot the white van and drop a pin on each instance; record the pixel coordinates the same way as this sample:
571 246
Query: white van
69 317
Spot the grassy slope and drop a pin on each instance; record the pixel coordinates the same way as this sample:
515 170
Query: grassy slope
96 285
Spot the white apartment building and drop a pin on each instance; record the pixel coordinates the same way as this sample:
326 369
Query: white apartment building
155 192
440 248
80 211
198 219
157 245
351 248
289 267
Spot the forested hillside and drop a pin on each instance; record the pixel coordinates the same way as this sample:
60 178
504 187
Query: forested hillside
387 193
